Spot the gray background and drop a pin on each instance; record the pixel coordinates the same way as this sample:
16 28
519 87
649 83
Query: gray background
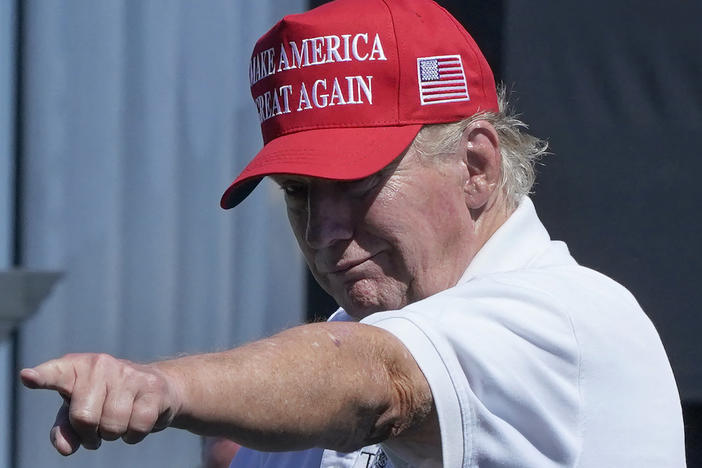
133 118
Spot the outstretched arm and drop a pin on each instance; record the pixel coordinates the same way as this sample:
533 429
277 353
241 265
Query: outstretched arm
335 385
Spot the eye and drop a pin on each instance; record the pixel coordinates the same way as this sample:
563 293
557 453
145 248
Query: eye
293 190
362 186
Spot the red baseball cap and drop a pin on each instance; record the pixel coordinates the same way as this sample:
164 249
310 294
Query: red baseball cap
343 89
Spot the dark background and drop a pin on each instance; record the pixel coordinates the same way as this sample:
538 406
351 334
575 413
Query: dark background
616 88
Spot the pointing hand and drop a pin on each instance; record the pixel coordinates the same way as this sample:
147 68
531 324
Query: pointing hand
104 398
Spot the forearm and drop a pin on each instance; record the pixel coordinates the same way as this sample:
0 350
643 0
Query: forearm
337 385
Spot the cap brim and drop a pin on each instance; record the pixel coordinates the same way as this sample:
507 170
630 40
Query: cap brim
331 153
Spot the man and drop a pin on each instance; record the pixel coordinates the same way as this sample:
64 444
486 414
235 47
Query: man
465 338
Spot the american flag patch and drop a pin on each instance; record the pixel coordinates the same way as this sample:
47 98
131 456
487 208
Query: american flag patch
441 79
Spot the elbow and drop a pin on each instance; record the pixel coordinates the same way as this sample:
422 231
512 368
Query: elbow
370 424
404 409
411 404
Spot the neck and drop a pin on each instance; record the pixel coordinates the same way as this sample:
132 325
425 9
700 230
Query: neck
489 218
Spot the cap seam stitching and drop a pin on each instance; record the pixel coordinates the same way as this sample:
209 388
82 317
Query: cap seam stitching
399 58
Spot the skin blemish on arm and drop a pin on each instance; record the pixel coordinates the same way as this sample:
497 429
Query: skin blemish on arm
334 339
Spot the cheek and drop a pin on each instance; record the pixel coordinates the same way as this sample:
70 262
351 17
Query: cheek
394 227
420 228
298 225
444 212
416 217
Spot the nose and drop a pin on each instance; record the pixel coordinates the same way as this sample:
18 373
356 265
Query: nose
329 215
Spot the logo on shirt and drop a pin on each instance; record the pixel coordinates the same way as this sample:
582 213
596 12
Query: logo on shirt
381 460
367 459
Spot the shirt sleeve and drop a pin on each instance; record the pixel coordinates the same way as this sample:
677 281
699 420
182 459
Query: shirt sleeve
502 362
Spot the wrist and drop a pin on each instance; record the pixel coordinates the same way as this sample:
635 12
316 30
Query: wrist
176 388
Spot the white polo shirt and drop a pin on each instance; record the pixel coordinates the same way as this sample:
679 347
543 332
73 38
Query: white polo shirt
533 361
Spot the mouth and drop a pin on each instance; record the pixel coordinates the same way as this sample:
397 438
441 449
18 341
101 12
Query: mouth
346 266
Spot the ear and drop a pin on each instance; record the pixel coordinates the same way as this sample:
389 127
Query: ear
480 151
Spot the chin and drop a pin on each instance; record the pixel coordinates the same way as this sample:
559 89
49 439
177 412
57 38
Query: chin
367 296
363 306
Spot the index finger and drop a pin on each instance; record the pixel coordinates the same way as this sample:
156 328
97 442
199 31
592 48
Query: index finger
57 374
